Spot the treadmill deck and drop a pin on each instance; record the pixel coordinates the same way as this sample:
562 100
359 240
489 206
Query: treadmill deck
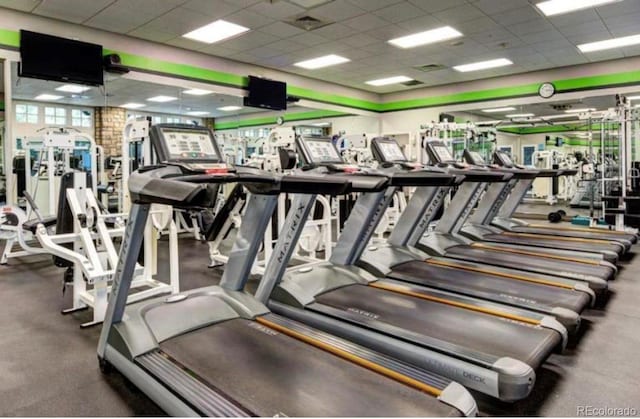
269 373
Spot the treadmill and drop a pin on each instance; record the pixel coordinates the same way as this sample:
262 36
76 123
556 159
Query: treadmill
217 351
490 347
505 221
607 250
559 297
410 231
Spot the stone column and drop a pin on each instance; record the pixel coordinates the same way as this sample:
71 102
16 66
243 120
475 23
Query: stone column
109 123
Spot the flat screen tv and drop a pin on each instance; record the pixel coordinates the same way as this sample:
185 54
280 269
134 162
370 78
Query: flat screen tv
60 59
268 94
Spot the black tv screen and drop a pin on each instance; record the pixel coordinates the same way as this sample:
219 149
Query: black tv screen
268 94
60 59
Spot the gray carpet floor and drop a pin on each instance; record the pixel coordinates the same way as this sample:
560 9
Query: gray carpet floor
48 365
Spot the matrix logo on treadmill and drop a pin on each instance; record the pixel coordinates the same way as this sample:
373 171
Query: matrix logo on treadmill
289 235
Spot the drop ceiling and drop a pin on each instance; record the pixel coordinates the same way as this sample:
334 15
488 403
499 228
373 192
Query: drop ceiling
118 91
360 29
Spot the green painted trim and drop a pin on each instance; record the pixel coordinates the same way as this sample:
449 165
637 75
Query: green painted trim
271 120
600 81
464 97
138 62
333 99
10 38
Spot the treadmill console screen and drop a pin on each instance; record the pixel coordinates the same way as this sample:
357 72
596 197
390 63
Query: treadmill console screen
477 158
504 157
322 152
185 144
443 153
391 151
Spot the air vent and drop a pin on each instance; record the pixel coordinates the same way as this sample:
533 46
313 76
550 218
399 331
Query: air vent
307 23
413 83
429 67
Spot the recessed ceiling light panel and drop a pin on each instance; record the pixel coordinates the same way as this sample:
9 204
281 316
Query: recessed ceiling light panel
498 110
46 96
320 62
229 108
215 32
389 80
520 115
198 113
558 7
133 105
162 99
483 65
197 92
427 37
72 88
625 41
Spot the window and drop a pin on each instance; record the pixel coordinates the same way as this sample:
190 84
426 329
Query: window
172 120
27 114
81 118
157 120
55 116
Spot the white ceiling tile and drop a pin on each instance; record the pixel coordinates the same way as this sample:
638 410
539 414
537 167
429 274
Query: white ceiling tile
619 8
547 46
399 12
583 28
185 43
249 40
214 9
371 5
179 21
631 51
532 26
610 54
309 39
563 60
419 24
285 45
388 32
478 25
496 6
24 5
151 34
360 40
573 18
336 11
277 11
71 10
365 22
335 31
519 15
459 15
281 30
218 50
547 35
624 20
264 52
588 37
249 19
432 6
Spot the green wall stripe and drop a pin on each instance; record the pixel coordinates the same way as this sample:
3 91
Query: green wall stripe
270 120
10 38
182 70
463 97
333 99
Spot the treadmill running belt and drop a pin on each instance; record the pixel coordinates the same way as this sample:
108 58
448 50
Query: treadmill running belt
511 290
530 263
585 234
477 331
272 374
613 249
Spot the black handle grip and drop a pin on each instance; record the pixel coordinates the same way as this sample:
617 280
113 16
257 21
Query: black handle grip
420 178
321 185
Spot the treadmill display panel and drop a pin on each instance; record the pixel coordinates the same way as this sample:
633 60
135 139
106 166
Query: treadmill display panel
443 153
477 158
323 152
184 144
506 160
391 151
